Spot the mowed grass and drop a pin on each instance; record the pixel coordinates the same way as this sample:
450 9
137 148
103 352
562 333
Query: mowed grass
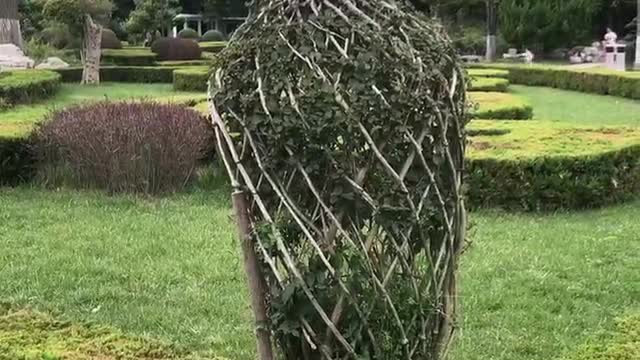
533 287
21 119
536 287
578 108
167 268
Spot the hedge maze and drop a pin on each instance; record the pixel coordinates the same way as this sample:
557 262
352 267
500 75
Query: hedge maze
535 165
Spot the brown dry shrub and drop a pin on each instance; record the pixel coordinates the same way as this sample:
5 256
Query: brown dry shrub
122 147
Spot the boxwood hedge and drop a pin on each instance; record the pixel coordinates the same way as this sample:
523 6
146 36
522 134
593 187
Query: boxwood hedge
25 86
489 84
499 106
129 57
545 166
17 162
134 74
192 79
598 80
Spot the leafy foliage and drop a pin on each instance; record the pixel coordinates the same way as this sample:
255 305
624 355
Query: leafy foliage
152 15
314 96
143 147
188 33
28 85
176 49
213 35
598 81
546 24
192 79
72 12
110 40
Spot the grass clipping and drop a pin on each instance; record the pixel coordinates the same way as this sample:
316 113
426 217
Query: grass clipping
28 334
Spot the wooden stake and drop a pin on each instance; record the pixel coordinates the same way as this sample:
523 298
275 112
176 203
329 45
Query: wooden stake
254 276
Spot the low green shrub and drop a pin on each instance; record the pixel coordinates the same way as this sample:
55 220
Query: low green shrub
188 34
203 62
491 73
213 46
25 86
128 57
191 79
499 106
551 183
176 49
143 147
213 35
17 163
489 84
132 74
598 81
621 344
110 40
5 104
540 165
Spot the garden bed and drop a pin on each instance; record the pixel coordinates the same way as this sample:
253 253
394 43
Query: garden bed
128 57
191 79
24 86
597 80
499 106
544 166
489 84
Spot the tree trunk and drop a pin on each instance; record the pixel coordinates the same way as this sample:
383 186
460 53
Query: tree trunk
492 29
91 51
637 63
10 23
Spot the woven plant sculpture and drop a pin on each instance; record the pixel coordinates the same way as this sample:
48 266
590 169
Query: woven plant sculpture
341 126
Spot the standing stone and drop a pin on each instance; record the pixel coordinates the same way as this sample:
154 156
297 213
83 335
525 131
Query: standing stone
10 23
12 56
52 63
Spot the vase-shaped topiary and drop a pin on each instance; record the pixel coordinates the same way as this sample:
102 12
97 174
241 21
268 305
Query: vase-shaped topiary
341 123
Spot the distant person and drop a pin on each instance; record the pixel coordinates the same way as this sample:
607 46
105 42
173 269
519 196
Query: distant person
610 38
148 39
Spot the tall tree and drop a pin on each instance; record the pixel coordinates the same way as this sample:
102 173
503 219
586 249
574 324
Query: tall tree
492 29
152 15
10 23
84 17
637 64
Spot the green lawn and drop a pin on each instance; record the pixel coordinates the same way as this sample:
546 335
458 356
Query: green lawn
20 120
579 108
167 268
533 286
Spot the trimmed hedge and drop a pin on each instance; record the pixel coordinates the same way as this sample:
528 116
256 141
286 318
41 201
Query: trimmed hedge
191 79
176 49
129 57
203 62
598 81
500 106
621 344
25 86
188 33
110 40
212 46
492 73
213 35
489 84
541 165
17 161
551 183
134 74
